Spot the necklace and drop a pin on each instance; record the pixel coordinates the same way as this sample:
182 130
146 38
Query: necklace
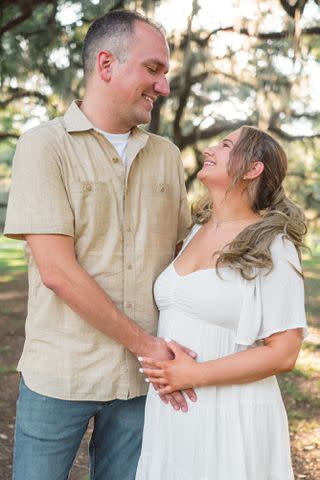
216 225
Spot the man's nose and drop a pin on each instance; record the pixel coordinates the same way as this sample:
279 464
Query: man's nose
162 86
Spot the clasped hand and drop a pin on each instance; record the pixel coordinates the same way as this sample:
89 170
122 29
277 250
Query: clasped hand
168 376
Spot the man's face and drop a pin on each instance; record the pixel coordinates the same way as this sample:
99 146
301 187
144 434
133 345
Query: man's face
139 81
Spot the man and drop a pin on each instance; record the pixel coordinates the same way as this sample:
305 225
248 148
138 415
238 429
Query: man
102 205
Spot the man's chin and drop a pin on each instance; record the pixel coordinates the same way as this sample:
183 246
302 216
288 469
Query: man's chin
145 121
143 118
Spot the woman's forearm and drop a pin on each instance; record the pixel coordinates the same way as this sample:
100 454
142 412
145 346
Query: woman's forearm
245 367
278 354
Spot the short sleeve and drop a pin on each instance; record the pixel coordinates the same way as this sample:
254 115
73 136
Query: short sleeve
38 201
274 302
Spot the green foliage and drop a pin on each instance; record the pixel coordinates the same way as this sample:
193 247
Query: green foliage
259 75
12 259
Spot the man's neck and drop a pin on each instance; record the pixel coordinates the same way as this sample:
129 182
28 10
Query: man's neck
100 117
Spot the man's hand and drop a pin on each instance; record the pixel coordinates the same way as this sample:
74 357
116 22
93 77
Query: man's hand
176 398
180 373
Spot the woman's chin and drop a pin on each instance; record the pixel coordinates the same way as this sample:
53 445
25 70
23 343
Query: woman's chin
204 176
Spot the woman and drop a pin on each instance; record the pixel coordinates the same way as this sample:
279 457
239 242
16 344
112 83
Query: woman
235 296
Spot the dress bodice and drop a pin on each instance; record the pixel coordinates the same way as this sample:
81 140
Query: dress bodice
202 295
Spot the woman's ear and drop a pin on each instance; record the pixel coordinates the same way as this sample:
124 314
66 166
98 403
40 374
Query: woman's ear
105 61
255 170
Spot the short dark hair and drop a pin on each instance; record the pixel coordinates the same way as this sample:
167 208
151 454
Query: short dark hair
113 32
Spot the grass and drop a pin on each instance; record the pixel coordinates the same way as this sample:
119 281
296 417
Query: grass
5 369
12 259
300 387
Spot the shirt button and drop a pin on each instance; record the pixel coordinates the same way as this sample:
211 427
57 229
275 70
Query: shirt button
162 188
128 229
115 159
129 266
88 187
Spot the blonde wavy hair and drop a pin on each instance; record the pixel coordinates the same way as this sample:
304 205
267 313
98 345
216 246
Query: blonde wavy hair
251 247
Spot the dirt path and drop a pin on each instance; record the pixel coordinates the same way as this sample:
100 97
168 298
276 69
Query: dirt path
301 391
13 300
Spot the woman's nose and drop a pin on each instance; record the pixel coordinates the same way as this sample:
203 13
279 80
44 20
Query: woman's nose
208 151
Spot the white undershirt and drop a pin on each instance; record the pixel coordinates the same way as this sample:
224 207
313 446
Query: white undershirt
119 141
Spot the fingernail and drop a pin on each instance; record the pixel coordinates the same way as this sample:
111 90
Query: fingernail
193 399
147 380
167 340
193 354
176 407
184 409
140 359
141 370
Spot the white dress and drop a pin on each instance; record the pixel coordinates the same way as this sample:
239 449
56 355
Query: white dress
236 432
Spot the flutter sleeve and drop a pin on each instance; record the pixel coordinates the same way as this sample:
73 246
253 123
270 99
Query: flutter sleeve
274 302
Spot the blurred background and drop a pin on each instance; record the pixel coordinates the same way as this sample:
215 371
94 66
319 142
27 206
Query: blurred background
234 62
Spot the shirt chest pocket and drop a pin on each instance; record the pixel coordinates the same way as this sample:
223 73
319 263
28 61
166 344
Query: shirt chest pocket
90 202
162 206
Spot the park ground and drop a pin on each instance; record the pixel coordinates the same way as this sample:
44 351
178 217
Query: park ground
300 387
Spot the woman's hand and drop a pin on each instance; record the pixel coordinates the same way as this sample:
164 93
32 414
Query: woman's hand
181 373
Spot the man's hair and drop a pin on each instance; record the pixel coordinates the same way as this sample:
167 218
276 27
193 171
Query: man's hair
112 32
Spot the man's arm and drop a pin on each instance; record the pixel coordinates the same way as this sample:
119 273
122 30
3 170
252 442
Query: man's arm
61 273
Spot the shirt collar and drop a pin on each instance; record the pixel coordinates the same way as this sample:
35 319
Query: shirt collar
76 121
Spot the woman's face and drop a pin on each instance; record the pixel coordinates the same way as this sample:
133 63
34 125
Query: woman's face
216 159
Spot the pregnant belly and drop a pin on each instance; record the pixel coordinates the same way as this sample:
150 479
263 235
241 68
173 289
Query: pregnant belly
208 340
211 342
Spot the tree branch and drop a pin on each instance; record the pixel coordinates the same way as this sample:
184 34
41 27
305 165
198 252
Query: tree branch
309 116
27 10
17 93
155 116
193 175
5 135
291 138
211 131
202 42
16 21
175 83
291 9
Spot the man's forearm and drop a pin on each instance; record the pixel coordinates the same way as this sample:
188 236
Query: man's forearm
85 297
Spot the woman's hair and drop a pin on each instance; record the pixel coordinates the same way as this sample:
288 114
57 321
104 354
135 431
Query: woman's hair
251 247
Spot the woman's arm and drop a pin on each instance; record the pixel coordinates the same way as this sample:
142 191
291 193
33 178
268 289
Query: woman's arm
278 354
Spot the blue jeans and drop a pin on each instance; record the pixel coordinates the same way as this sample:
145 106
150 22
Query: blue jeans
49 431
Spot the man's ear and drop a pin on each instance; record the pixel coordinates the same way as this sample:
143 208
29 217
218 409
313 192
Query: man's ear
256 168
105 63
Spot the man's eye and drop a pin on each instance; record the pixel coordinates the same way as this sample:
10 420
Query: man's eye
151 69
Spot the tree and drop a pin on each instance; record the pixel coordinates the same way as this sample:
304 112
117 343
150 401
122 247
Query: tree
259 75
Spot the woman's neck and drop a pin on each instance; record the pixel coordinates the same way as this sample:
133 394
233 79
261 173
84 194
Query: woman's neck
231 206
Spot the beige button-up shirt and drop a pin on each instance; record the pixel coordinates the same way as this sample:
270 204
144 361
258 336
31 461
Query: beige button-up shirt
68 179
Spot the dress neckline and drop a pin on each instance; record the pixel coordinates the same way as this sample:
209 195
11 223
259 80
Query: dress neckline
191 235
194 271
